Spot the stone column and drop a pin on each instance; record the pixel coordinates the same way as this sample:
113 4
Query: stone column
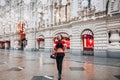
16 44
48 41
114 40
114 46
16 41
12 42
6 45
31 42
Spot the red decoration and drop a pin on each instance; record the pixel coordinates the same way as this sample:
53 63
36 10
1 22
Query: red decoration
21 29
40 39
88 41
21 26
67 41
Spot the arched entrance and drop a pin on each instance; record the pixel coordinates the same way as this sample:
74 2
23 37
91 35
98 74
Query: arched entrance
66 38
2 44
7 44
40 41
88 42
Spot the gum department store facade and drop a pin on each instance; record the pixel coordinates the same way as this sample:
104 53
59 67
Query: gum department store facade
90 27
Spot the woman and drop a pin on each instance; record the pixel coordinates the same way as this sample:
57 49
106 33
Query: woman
59 50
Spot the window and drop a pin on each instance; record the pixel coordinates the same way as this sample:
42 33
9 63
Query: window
89 3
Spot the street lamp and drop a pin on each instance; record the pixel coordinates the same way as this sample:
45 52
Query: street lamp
35 22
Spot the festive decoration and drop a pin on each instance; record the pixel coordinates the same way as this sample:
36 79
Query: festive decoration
66 39
21 29
21 25
40 39
88 41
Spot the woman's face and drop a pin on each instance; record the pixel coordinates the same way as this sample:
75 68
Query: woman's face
59 37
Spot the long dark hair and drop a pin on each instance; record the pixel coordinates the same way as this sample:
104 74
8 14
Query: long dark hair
60 36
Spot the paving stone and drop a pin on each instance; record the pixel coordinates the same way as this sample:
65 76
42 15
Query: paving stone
30 59
76 68
15 69
48 63
42 78
19 57
1 63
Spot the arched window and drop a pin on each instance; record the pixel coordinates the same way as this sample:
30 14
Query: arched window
112 6
88 40
40 41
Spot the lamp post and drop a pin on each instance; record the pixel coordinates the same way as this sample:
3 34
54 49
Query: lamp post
35 26
4 35
2 3
10 25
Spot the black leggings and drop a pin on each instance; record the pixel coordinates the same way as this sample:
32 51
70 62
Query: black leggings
59 60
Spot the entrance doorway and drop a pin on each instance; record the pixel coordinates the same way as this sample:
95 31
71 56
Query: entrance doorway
41 42
88 42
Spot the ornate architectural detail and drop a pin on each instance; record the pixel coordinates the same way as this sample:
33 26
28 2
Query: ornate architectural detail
74 16
114 39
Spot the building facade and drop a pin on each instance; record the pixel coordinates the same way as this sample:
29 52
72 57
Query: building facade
90 27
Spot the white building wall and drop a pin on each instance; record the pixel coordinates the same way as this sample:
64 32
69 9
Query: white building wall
100 27
48 39
31 41
101 39
100 35
74 8
12 42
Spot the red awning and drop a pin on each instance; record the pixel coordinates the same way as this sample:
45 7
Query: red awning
40 39
2 41
7 41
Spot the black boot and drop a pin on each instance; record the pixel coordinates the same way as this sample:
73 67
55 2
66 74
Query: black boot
59 76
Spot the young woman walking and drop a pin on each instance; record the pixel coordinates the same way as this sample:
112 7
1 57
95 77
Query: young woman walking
60 52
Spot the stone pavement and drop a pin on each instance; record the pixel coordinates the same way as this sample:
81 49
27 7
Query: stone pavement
20 65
